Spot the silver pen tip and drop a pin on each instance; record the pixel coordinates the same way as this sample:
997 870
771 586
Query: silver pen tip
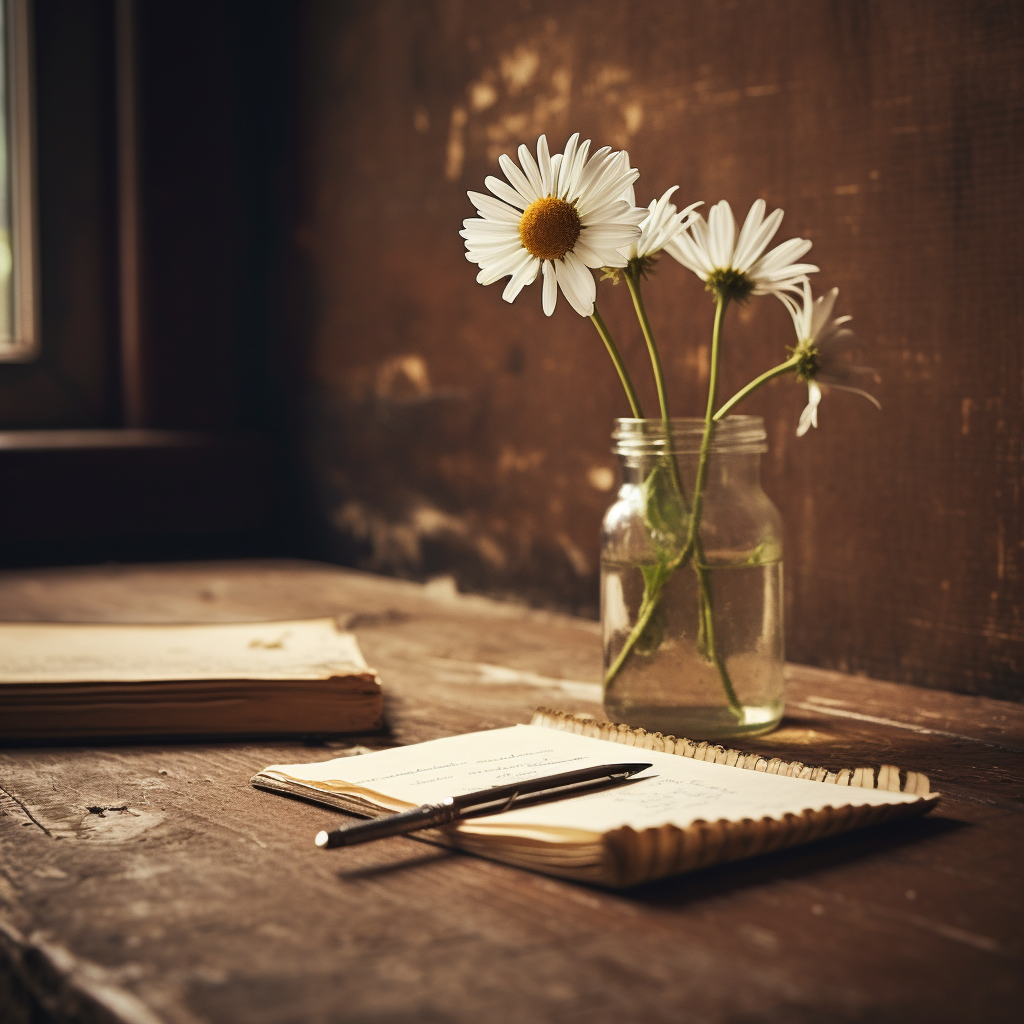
321 839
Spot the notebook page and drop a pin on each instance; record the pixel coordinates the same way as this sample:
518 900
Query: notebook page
676 790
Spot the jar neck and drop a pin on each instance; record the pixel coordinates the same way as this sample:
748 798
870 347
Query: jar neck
734 455
724 469
685 436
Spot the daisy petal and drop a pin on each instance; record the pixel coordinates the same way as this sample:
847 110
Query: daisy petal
618 211
781 256
611 187
544 163
495 249
503 190
590 171
517 179
594 259
502 268
577 284
749 249
494 209
556 170
836 337
565 165
531 170
691 255
525 274
796 309
786 279
748 231
550 288
857 391
489 229
809 417
611 235
722 233
821 312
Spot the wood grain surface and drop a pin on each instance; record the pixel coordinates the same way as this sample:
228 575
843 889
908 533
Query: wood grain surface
143 884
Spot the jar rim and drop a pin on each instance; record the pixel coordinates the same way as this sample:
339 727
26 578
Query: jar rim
739 434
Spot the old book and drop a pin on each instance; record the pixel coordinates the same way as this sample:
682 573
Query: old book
699 804
61 681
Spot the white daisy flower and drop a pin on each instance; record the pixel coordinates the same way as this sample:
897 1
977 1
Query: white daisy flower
825 349
558 215
661 223
734 267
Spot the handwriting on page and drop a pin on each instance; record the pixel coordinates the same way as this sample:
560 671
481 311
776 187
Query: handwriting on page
478 773
675 790
661 795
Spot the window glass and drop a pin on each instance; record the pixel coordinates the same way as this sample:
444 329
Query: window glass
18 334
7 337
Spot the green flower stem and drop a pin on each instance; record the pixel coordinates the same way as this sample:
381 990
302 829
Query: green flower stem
633 283
708 626
703 571
709 422
648 603
652 588
652 591
659 378
606 337
776 371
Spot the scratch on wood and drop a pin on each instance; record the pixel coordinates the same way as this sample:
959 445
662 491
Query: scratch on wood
68 987
945 931
24 810
101 811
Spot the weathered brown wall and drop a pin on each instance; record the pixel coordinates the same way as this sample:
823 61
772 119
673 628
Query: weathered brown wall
450 432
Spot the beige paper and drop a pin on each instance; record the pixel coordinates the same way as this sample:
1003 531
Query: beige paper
680 814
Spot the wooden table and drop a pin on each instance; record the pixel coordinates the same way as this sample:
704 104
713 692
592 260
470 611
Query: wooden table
152 883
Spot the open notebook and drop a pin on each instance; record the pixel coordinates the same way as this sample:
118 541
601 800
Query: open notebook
685 812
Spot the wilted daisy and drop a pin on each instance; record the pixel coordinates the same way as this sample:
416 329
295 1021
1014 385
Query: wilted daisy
734 267
557 215
824 351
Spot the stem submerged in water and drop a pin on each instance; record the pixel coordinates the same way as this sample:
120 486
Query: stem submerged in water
655 582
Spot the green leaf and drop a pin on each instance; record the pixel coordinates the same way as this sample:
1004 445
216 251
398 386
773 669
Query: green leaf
653 633
664 514
655 578
652 575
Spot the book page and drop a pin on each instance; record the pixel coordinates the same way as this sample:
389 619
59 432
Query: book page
82 653
675 790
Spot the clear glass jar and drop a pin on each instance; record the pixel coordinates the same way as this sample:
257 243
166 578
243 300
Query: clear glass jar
693 642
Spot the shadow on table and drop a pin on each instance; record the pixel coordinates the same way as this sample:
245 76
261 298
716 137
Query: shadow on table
428 858
801 861
722 879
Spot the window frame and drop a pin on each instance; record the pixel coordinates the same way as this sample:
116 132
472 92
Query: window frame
25 344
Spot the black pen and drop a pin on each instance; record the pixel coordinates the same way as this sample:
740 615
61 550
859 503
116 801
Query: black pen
486 801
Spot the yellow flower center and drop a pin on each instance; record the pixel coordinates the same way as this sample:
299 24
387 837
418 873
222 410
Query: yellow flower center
549 228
